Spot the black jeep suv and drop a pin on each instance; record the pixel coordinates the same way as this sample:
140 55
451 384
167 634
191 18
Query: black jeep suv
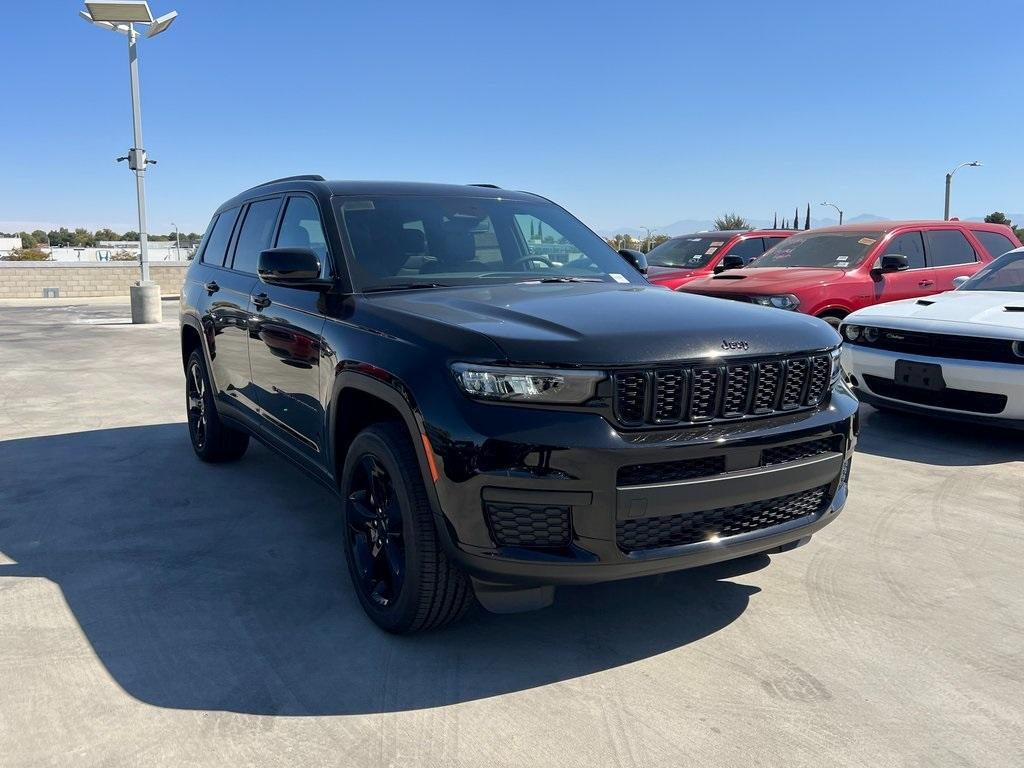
501 401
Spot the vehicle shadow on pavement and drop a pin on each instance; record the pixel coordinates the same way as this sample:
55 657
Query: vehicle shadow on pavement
224 588
895 435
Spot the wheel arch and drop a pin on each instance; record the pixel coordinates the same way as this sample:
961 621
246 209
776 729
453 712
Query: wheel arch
380 395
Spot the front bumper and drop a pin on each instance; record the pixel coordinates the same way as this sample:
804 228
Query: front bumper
969 376
571 460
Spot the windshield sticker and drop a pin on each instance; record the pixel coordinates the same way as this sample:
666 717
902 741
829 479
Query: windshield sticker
710 250
843 261
693 240
617 277
867 241
718 243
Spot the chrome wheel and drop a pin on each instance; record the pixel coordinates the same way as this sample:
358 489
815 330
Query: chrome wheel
195 394
374 531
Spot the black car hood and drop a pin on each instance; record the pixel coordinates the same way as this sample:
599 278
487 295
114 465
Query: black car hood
603 324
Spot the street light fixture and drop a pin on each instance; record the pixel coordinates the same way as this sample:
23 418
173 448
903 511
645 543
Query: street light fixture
838 210
122 17
949 181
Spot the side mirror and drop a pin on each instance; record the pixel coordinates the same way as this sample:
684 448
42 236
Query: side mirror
958 281
290 267
730 261
893 262
636 259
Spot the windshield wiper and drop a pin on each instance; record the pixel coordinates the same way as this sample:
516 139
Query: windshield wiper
562 280
404 287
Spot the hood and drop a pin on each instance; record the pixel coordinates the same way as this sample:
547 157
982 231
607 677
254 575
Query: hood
766 280
605 324
669 273
976 313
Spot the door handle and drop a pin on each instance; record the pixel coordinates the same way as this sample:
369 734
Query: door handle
212 287
926 283
261 300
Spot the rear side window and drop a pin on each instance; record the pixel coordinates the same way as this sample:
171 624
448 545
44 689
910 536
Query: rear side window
772 241
995 243
911 245
947 247
220 235
748 249
257 230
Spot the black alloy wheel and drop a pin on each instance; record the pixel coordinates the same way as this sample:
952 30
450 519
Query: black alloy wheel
402 576
212 439
195 393
375 535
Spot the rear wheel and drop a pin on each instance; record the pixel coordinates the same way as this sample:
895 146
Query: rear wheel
402 576
212 439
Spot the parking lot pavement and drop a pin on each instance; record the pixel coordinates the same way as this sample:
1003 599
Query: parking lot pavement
158 611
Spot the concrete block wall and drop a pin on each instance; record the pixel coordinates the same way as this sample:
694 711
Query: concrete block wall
28 279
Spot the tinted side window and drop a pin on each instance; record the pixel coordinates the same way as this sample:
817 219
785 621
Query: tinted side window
910 245
771 241
947 247
257 230
217 243
995 243
301 228
748 249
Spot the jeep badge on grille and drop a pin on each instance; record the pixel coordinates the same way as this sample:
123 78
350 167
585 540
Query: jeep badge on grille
726 344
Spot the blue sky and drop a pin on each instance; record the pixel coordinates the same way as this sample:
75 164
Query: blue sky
637 113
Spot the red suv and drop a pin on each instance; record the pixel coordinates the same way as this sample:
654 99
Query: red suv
833 271
688 257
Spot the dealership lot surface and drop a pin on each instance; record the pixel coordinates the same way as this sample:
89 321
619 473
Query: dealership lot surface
158 611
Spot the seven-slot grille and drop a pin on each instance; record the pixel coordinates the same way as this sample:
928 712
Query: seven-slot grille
702 393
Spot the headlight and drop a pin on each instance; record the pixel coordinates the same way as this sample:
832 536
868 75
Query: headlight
534 385
781 301
851 332
837 367
871 335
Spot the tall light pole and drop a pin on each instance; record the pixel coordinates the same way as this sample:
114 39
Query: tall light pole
123 18
177 242
838 210
949 182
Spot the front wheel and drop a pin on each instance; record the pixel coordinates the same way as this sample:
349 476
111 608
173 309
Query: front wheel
404 580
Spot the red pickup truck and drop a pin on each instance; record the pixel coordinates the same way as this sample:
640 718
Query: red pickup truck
687 257
832 271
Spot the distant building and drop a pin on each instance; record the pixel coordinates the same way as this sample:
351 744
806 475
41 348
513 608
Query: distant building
8 244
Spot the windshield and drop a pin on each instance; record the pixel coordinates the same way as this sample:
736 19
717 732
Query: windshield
835 250
690 251
1004 274
411 241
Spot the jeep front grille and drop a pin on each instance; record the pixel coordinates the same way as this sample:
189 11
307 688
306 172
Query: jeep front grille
694 394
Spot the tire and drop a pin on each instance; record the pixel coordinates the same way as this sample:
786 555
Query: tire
401 574
212 439
833 320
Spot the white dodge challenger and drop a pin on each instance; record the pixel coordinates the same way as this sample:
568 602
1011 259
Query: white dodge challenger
958 354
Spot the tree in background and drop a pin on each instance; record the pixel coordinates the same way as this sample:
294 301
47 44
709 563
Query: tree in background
106 234
26 254
807 217
796 218
28 240
732 221
60 237
39 236
775 221
998 217
655 241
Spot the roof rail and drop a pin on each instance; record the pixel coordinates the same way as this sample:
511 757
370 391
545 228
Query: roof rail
301 177
488 186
